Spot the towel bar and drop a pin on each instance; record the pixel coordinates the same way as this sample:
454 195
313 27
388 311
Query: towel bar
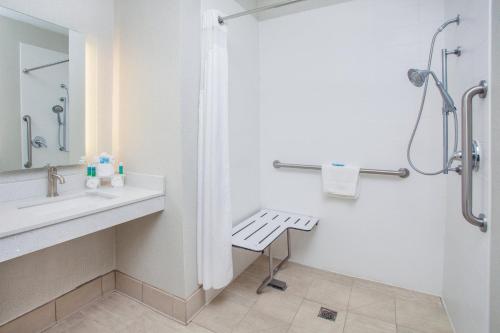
403 172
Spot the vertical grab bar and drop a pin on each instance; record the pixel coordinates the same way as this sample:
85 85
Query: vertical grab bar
467 155
29 163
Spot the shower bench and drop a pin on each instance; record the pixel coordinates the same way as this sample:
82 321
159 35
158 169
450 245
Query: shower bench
259 231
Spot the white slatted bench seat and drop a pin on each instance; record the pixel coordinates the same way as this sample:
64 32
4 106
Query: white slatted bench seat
259 231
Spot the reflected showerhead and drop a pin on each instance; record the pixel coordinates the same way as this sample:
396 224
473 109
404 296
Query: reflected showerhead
417 77
57 109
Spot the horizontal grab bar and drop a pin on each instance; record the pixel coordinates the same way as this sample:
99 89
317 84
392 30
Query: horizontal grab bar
403 172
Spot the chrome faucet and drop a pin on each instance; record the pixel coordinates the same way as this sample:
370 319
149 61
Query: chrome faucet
52 181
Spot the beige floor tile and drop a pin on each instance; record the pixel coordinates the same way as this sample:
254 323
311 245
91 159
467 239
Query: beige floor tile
427 317
256 321
334 295
308 274
361 296
307 321
260 268
295 285
373 303
243 290
375 286
278 304
118 313
402 329
305 273
334 277
193 328
122 306
221 315
152 322
89 326
98 314
385 311
410 295
401 293
361 324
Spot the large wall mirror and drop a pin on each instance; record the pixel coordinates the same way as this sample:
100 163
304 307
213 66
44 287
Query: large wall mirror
42 93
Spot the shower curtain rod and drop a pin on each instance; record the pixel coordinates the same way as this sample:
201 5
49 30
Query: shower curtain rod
27 70
257 10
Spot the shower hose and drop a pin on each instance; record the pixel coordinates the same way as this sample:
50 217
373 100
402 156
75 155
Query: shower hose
420 111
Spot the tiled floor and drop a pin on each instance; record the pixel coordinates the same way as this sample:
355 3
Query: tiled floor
118 313
362 306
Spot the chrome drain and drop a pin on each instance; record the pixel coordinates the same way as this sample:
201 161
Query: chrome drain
327 314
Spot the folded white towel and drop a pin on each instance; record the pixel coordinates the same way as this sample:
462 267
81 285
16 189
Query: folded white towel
340 180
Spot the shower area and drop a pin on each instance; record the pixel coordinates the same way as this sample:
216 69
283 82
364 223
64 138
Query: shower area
44 95
344 82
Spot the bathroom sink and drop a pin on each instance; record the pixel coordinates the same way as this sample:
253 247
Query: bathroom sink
84 200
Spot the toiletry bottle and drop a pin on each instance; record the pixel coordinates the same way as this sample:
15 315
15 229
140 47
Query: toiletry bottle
120 169
89 170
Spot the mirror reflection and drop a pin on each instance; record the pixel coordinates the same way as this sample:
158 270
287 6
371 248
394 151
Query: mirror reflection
41 93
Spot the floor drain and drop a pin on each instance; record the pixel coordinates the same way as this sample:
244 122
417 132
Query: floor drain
327 314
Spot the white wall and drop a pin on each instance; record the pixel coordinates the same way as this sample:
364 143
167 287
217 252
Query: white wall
334 88
159 76
32 280
151 249
467 250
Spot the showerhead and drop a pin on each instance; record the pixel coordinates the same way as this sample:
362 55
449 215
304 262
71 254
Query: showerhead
418 77
57 109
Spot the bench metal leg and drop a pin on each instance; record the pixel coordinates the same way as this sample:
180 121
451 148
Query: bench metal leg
270 280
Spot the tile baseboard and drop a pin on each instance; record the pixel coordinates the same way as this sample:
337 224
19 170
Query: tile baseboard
178 309
47 315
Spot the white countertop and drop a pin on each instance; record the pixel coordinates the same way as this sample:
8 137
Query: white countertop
29 221
15 219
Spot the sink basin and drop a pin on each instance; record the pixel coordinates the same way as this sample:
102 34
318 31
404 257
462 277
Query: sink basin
84 200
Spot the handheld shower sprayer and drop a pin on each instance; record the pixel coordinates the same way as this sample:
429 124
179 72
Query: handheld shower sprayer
418 77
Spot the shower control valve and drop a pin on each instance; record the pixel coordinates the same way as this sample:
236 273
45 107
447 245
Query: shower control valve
39 142
476 158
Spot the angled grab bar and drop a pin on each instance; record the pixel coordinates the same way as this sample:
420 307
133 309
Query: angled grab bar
467 155
28 163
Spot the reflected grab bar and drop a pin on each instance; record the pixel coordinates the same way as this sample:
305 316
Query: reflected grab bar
29 163
467 155
403 172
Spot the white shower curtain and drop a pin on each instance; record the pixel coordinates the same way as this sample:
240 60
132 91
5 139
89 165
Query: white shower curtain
215 266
